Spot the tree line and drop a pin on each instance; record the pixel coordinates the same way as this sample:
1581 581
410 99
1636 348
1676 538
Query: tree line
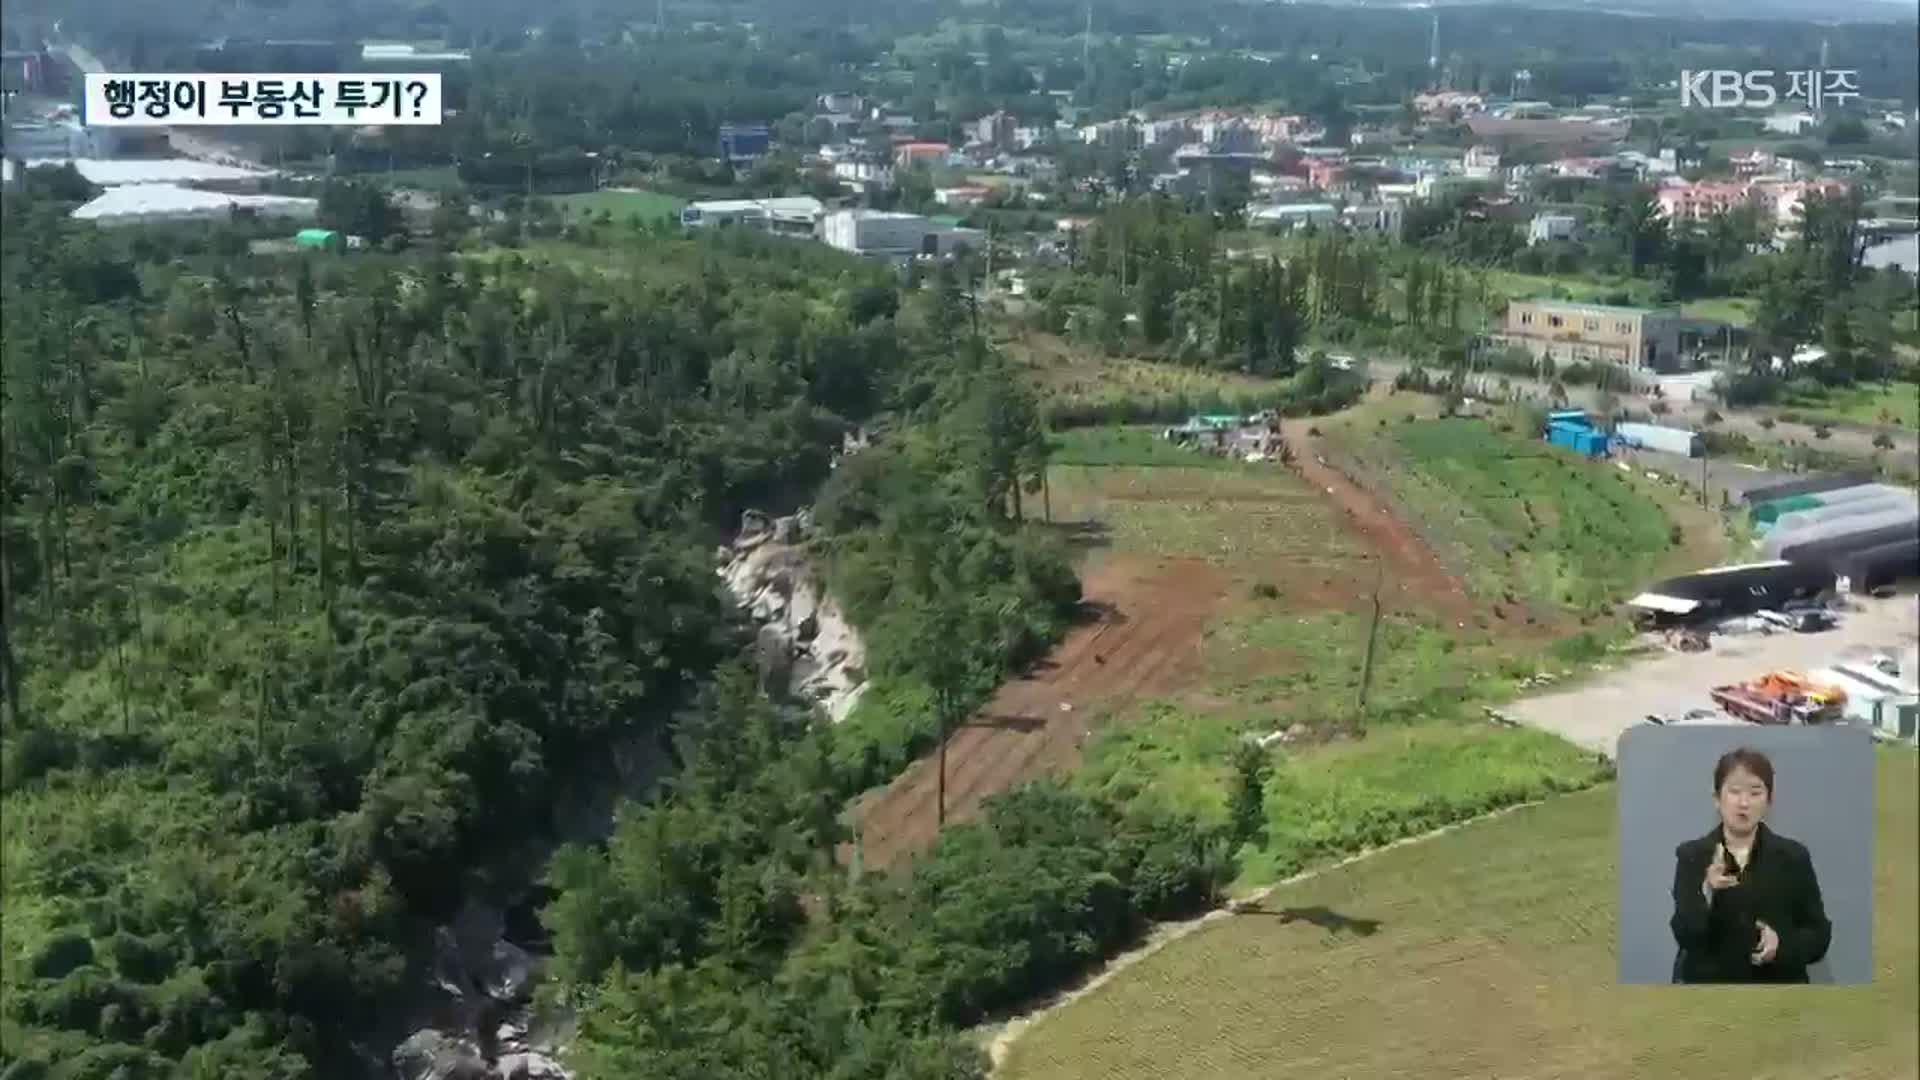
326 580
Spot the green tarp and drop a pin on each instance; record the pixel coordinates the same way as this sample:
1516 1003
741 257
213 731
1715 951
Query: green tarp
1769 512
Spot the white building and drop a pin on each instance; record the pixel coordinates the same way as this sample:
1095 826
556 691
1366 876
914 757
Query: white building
840 103
1292 215
385 53
962 195
104 173
890 233
1790 123
1434 185
1384 218
1546 228
863 172
49 139
797 215
142 204
1875 699
1481 163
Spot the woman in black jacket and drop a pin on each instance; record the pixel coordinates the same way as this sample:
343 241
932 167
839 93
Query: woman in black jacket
1746 902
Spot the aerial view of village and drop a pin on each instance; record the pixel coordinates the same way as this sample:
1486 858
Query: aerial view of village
942 539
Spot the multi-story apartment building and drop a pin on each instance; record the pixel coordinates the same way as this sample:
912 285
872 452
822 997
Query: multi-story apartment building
1639 339
1694 202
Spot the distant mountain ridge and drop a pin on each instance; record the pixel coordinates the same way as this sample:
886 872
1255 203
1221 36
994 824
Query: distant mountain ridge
1856 11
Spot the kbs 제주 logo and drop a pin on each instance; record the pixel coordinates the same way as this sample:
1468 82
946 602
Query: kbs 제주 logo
1758 89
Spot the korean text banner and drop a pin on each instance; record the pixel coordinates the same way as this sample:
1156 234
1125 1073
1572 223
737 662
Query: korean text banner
243 99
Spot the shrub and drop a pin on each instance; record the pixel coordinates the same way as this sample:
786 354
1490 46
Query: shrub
1822 431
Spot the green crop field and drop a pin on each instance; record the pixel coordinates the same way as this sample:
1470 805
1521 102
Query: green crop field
1521 518
1567 287
622 204
1737 310
1896 404
1258 520
1484 952
1331 800
1072 377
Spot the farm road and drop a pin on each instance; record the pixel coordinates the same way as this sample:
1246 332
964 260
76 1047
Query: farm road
1853 440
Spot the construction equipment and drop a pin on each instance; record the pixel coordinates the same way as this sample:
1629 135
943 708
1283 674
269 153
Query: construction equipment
1781 697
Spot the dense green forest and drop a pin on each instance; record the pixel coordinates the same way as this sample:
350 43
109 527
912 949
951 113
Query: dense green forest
324 581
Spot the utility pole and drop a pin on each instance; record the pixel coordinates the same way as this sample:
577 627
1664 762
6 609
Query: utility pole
1086 45
940 803
1373 633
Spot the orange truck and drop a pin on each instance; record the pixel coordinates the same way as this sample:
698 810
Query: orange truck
1781 697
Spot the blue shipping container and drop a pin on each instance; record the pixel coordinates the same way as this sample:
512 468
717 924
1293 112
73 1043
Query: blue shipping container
1581 440
744 142
1575 417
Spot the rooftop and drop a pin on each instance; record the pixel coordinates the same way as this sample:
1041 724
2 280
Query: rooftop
135 201
409 52
106 173
1285 209
1607 309
798 204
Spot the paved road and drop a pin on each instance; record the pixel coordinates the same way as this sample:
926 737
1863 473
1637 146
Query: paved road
1853 441
1595 713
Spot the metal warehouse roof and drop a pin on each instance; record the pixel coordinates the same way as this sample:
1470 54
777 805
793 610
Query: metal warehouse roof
799 206
102 172
1784 544
135 203
1671 605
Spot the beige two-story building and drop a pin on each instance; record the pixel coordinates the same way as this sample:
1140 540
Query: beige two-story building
1639 339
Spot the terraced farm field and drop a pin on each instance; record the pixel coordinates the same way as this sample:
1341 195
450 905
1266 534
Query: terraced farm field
1172 548
1256 523
1524 523
1077 380
1483 952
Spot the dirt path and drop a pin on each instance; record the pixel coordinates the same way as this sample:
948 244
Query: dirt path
1167 933
1852 439
1414 570
1144 639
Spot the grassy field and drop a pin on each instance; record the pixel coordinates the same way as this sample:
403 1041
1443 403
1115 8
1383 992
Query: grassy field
621 204
1070 376
1589 289
1896 403
1330 800
1737 310
1136 446
1519 519
441 179
1484 952
1254 520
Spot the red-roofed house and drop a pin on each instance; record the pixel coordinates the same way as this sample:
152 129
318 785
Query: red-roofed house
907 155
1783 198
1693 202
1325 174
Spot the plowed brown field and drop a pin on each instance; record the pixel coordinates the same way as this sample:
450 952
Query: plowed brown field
1142 638
1181 545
